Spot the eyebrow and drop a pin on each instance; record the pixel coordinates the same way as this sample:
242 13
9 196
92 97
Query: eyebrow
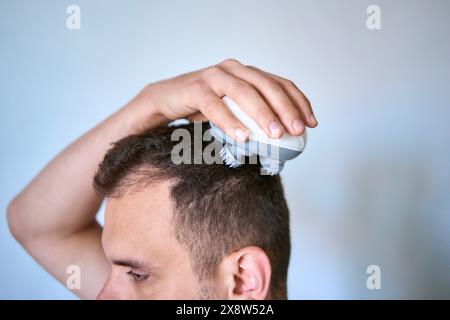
132 264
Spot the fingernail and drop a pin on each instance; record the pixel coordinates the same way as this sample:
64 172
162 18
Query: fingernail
297 125
313 120
240 135
274 129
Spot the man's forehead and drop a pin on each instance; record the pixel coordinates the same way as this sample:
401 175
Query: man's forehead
140 219
141 204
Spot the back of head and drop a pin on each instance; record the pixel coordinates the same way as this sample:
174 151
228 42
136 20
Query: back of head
217 209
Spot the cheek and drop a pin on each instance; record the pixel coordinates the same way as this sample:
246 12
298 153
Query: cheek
181 285
178 283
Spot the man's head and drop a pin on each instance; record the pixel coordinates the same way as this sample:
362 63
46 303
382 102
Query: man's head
190 231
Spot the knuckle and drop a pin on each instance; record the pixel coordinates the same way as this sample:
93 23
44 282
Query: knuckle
289 108
211 72
197 85
230 62
290 111
272 85
289 83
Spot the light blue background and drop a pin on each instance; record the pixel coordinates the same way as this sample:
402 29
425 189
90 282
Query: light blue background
373 184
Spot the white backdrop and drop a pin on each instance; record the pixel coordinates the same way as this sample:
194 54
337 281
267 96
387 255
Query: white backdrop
372 186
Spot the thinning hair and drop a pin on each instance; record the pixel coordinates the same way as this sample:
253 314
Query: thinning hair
217 209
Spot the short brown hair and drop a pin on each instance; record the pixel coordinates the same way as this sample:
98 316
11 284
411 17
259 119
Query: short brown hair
217 209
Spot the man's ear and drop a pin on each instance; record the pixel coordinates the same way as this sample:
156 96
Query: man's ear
247 274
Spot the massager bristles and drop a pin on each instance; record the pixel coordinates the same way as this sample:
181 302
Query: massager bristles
272 153
228 157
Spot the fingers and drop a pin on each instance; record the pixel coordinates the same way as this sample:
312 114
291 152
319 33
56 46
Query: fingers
197 117
296 96
247 97
273 102
213 108
271 90
302 101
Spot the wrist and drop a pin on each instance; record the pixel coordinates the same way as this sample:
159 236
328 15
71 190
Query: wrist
142 113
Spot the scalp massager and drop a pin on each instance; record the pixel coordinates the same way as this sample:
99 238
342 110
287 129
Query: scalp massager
272 153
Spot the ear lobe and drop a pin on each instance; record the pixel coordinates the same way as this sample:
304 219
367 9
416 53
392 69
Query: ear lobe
252 274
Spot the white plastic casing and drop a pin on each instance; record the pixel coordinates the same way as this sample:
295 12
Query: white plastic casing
287 141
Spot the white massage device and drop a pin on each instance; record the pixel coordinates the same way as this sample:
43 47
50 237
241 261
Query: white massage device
273 153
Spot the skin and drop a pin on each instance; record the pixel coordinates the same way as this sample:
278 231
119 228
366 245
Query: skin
54 216
147 265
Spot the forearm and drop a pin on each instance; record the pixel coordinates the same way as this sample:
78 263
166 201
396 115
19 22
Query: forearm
61 200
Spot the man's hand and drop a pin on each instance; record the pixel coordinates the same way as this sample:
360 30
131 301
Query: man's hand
275 103
54 216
